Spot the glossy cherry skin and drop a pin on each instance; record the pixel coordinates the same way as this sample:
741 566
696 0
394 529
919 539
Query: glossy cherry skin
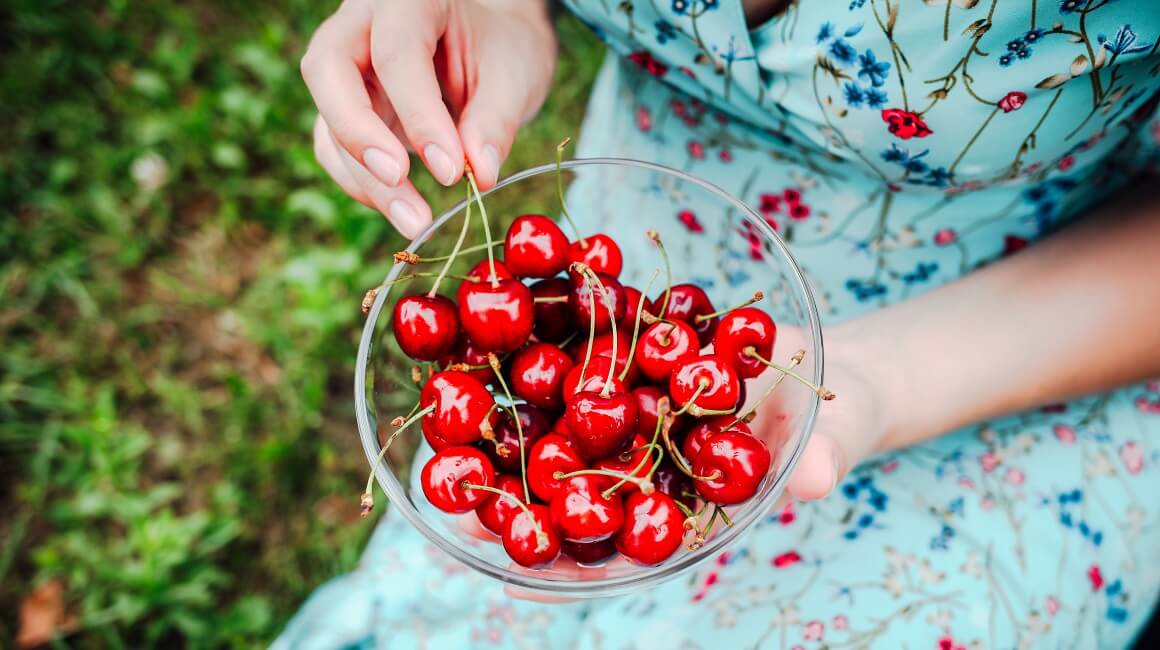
602 347
523 544
664 346
632 298
499 317
723 387
673 482
537 375
582 514
647 398
462 405
425 327
743 461
444 474
653 528
467 353
580 299
554 320
686 303
535 247
707 428
593 379
601 425
638 463
590 554
496 509
741 329
550 454
507 437
481 272
599 252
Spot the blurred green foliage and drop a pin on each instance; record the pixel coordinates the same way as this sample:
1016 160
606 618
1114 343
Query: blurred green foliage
179 309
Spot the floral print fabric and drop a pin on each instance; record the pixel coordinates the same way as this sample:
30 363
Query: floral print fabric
895 146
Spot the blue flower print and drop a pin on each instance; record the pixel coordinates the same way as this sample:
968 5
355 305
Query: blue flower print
857 4
825 32
1070 6
921 273
871 69
875 98
1005 60
1033 36
707 5
843 52
854 96
665 31
681 7
1123 42
864 290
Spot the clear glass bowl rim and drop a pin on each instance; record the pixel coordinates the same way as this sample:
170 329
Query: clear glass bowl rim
600 587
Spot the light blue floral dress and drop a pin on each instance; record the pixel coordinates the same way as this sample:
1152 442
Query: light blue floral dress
895 146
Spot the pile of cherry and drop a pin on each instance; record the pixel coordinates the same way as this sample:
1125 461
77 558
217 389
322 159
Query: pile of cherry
572 413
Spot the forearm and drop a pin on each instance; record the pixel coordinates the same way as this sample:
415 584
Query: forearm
1075 314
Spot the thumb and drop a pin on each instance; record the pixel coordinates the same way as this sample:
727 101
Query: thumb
823 464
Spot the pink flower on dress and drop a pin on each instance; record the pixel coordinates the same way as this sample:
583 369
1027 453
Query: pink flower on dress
813 630
787 515
1064 434
1032 168
1012 101
723 559
725 155
1067 163
966 482
1051 605
986 503
945 237
841 622
644 119
1015 476
689 220
889 466
787 559
1153 385
696 150
1096 577
947 643
1132 456
989 461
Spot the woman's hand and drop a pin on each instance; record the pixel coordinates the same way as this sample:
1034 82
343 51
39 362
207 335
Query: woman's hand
449 79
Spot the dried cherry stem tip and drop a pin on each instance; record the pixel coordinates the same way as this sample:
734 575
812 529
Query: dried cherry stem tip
757 297
822 391
368 300
541 536
407 257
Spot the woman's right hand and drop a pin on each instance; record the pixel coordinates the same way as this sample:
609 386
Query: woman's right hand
451 80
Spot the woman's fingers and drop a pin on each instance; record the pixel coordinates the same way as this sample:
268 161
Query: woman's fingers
488 126
326 151
332 69
819 469
405 35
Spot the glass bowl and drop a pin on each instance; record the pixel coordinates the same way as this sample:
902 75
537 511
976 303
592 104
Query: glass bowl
623 198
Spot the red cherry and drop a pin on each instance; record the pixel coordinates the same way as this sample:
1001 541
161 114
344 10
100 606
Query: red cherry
537 375
722 388
647 398
602 347
739 460
462 408
686 302
554 320
445 473
496 509
632 298
707 428
628 463
601 254
521 538
601 425
740 329
582 513
507 436
560 426
653 528
673 482
425 327
580 299
535 247
470 355
498 317
550 454
593 379
590 554
664 346
481 272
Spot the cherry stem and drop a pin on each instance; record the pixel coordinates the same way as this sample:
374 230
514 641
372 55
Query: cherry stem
679 460
454 249
591 275
701 386
550 299
560 191
662 411
367 502
822 391
493 361
411 276
685 509
563 344
486 224
443 258
794 361
591 331
646 486
541 536
725 517
656 237
757 297
636 325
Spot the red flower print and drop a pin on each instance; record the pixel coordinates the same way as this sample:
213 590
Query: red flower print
1064 434
787 559
841 622
905 124
688 72
649 63
1096 577
723 559
947 643
696 150
813 630
1051 605
644 119
799 211
989 461
678 107
1067 163
1132 455
1012 101
791 195
945 237
1032 168
1015 476
1013 244
769 203
894 187
787 515
889 466
721 118
725 155
690 222
697 104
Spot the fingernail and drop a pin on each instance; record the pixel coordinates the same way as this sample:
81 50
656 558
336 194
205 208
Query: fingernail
405 218
383 166
490 156
440 164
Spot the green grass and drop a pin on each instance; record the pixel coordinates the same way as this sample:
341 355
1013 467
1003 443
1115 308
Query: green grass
177 440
